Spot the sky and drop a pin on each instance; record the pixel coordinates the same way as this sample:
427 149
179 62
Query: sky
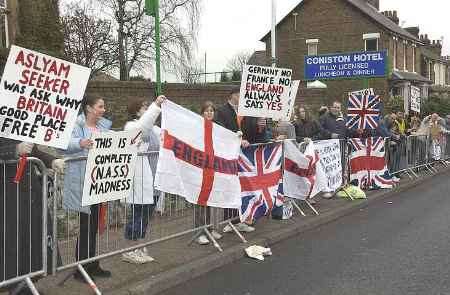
231 26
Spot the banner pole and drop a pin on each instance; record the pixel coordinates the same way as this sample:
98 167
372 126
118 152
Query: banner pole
273 34
157 48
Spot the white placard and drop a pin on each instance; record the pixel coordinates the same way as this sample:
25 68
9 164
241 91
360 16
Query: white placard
265 92
110 166
291 101
363 92
41 96
330 159
415 99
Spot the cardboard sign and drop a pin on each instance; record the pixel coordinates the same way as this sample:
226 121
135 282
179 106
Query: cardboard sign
265 92
415 99
110 166
41 96
330 159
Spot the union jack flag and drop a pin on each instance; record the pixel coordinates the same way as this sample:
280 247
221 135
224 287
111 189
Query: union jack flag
363 111
260 178
368 163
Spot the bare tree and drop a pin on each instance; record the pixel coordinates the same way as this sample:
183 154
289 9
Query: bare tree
135 34
191 74
238 60
88 39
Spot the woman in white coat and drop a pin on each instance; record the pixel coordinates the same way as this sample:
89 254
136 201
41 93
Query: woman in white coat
142 199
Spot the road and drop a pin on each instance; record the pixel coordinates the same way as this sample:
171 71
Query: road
399 245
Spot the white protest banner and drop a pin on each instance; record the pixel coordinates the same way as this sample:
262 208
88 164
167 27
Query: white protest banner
41 96
110 166
415 99
330 159
291 101
264 92
363 92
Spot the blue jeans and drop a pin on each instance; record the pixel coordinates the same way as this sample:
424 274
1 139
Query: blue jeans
138 218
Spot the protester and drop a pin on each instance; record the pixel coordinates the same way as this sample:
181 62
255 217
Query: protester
226 116
414 124
323 110
434 127
401 125
21 226
203 213
89 122
283 129
306 128
333 122
143 198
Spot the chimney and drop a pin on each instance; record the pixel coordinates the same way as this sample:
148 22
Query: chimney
374 3
413 31
436 47
392 15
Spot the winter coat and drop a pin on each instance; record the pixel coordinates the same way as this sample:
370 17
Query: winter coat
308 129
227 117
143 176
332 124
251 132
75 170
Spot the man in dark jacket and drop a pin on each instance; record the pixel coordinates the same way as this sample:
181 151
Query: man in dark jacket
333 122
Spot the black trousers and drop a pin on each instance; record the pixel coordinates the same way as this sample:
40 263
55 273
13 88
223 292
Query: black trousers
87 241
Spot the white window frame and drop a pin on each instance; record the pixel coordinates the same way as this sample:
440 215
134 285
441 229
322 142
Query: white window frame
312 43
394 56
371 36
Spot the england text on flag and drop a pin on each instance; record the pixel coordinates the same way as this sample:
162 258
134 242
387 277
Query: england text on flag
368 163
198 159
260 178
303 176
363 111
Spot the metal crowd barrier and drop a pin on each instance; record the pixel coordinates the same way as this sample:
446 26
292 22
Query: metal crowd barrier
171 217
23 224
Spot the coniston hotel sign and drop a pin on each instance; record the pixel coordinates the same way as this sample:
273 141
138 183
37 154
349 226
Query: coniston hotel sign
346 65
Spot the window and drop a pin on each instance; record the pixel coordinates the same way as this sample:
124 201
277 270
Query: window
429 70
313 45
394 56
405 53
371 41
414 58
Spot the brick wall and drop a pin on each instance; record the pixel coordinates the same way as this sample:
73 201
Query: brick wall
118 94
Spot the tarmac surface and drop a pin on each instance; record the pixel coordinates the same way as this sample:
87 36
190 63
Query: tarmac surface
397 245
328 252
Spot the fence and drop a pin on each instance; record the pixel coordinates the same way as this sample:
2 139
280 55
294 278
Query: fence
80 240
23 224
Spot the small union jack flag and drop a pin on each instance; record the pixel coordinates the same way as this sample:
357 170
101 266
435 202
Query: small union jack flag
363 111
368 163
260 177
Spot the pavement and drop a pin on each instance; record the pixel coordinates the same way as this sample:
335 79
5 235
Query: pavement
397 245
177 262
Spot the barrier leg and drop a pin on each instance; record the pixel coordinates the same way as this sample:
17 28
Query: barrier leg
312 207
297 207
237 232
88 279
211 238
31 286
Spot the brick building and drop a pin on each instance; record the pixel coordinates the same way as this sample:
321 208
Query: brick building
336 26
